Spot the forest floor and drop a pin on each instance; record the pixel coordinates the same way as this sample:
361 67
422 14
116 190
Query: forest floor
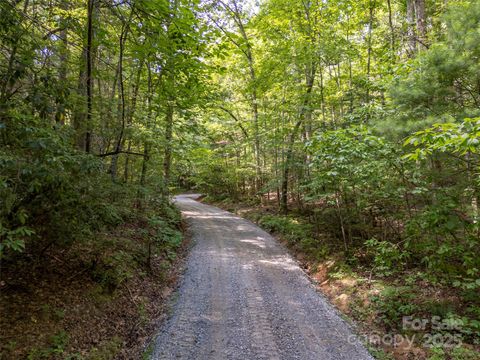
244 297
58 307
356 293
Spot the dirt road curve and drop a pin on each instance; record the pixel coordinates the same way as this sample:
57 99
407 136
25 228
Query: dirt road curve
243 297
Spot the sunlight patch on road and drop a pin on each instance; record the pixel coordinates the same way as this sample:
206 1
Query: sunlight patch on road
283 262
257 242
202 215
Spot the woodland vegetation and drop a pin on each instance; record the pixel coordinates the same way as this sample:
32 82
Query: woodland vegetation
354 125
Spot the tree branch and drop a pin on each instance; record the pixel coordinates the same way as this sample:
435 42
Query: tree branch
120 152
237 120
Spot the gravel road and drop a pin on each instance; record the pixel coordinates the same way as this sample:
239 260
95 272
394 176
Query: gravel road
243 297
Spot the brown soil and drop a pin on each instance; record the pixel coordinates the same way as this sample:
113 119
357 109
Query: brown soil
54 307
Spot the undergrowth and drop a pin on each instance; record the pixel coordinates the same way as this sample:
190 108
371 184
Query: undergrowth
392 291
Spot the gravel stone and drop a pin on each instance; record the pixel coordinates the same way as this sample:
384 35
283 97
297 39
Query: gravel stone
244 297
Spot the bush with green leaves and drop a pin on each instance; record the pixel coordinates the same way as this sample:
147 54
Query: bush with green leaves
297 232
416 206
361 178
50 194
393 303
166 237
444 231
387 256
455 353
210 175
292 229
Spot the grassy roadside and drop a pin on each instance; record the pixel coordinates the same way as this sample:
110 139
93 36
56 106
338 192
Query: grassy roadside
400 314
102 298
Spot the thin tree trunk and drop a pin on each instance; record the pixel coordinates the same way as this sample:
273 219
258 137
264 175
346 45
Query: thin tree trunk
339 87
89 82
143 175
167 160
369 49
146 146
412 44
342 223
322 98
392 30
131 114
350 75
119 141
421 24
288 164
253 79
79 116
121 89
62 71
247 51
4 90
305 109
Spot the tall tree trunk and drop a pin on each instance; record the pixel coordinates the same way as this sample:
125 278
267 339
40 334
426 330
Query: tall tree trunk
392 30
287 166
305 111
369 48
247 51
131 113
412 43
322 97
421 24
79 116
350 73
89 80
167 159
118 142
62 70
6 82
121 104
146 145
254 95
143 174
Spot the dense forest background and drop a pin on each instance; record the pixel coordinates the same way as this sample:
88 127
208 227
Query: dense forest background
356 124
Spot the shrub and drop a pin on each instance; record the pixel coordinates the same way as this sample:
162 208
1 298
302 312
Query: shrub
393 303
387 257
